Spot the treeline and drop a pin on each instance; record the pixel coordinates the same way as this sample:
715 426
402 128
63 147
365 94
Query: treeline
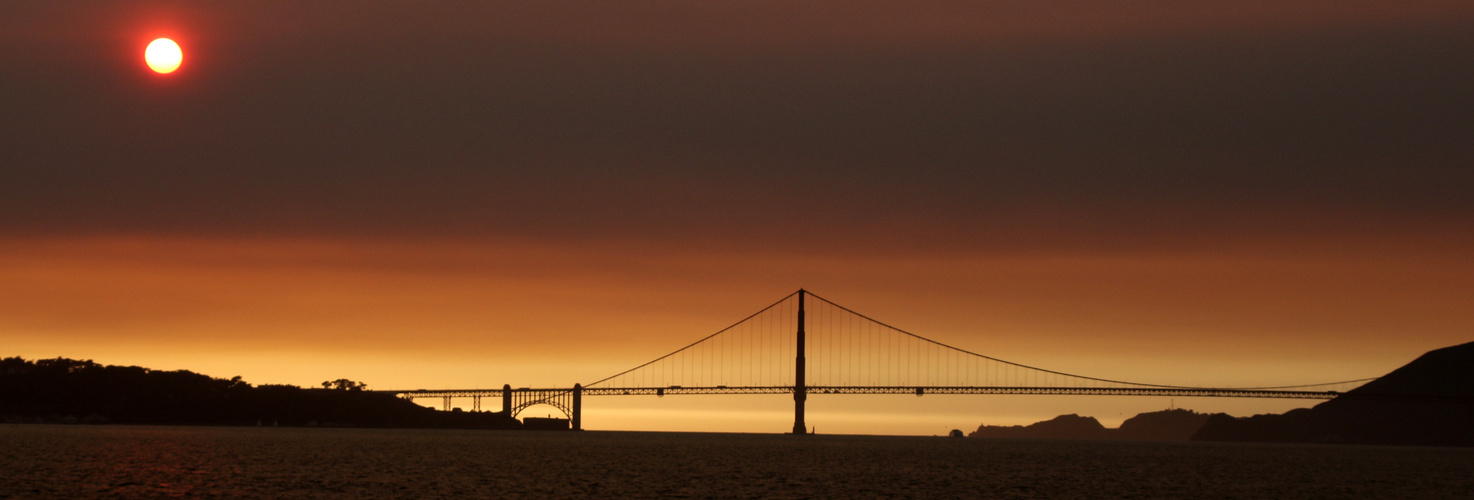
67 390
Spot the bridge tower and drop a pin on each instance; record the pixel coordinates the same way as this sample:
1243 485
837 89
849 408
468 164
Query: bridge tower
507 399
800 392
577 417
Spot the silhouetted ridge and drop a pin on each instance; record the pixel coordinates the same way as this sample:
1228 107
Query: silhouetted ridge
1070 426
1165 425
1441 373
65 390
1429 401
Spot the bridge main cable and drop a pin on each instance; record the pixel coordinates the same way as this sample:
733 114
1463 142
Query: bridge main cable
688 346
1071 375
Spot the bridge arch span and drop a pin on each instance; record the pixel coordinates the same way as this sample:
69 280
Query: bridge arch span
567 412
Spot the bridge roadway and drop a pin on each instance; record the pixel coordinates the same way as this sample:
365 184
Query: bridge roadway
722 389
1062 391
569 400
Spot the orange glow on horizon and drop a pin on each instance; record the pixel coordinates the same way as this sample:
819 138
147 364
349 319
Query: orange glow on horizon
402 315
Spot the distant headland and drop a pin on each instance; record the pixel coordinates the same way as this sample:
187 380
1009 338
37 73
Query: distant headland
1428 402
1165 425
71 391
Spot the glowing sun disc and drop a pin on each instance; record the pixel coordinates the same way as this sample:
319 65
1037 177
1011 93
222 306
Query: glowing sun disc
163 55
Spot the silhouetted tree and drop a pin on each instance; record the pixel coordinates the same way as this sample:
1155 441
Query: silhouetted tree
344 384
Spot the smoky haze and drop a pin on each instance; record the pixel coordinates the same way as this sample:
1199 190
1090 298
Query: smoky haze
922 126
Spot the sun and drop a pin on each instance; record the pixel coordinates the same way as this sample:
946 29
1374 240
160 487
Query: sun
163 56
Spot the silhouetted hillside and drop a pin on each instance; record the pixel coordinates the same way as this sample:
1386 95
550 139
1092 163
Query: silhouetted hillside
1070 426
1166 425
65 390
1430 401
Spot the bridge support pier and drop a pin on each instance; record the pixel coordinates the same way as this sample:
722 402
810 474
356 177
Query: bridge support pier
800 391
577 416
507 399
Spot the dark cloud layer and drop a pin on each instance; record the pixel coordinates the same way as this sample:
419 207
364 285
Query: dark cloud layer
912 124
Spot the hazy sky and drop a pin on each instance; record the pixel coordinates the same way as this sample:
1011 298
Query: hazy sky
434 194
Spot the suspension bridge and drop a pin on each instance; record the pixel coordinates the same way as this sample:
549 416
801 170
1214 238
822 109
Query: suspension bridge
804 344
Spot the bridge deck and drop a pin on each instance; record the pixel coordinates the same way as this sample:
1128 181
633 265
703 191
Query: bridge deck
721 389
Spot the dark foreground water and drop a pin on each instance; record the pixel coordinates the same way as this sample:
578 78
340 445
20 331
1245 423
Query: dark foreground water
48 461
